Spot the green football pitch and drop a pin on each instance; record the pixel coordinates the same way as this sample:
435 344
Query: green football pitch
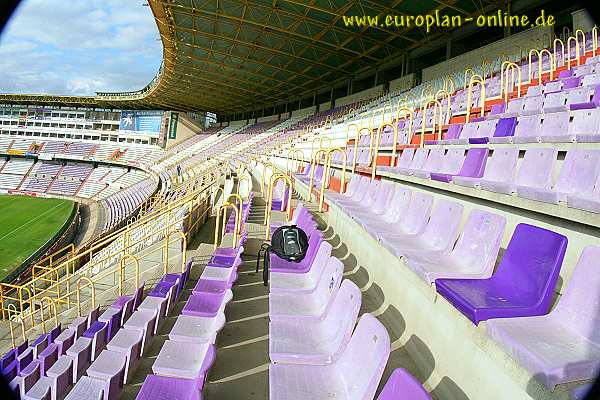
27 223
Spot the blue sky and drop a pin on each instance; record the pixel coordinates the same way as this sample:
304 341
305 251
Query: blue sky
78 47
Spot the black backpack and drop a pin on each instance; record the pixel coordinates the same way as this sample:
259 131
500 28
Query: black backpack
288 242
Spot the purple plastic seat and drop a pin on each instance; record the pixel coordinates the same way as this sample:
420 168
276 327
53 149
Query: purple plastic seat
536 172
206 304
39 344
402 385
162 387
410 218
578 174
302 283
280 265
452 134
48 357
437 237
109 368
505 129
472 166
499 172
317 342
355 375
311 306
523 283
474 254
114 317
87 388
81 354
563 346
97 333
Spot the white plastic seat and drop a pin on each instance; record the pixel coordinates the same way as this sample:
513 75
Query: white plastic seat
300 283
193 329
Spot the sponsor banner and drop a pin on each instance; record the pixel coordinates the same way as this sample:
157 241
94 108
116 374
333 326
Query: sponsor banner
173 125
141 122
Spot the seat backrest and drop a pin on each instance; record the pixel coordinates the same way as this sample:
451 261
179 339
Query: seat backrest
578 306
487 128
420 158
442 228
505 127
480 240
453 161
533 103
474 162
434 159
537 168
585 122
579 171
383 197
528 125
469 130
365 357
341 317
530 265
571 83
329 283
580 95
533 91
591 80
402 385
554 86
416 216
454 131
556 99
398 204
556 123
515 105
406 157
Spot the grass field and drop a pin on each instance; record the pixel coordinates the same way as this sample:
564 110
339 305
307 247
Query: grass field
26 223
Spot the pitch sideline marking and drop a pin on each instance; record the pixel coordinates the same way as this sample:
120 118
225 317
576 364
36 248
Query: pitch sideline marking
30 221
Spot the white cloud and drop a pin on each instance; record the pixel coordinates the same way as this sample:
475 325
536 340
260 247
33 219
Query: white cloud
79 47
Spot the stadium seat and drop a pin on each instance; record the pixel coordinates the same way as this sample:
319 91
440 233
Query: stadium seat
402 384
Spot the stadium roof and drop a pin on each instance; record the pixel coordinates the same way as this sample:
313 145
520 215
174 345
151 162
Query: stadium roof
230 56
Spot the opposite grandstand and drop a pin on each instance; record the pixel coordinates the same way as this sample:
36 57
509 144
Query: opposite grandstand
26 224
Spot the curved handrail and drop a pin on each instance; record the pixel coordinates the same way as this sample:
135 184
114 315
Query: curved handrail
243 178
10 322
240 203
562 51
394 126
581 33
287 183
122 265
480 80
401 113
327 168
504 81
223 210
89 283
52 306
183 238
436 106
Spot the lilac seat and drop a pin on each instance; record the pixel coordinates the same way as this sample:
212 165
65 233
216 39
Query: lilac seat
144 321
402 385
280 265
109 368
97 333
355 375
87 388
114 318
505 128
524 281
28 376
185 360
578 174
162 387
309 307
437 237
379 205
417 162
527 130
563 346
453 133
41 390
197 329
410 219
434 162
555 128
499 172
584 125
129 343
302 283
453 160
404 159
81 354
536 172
472 166
206 304
211 286
474 254
60 377
317 342
485 131
365 191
